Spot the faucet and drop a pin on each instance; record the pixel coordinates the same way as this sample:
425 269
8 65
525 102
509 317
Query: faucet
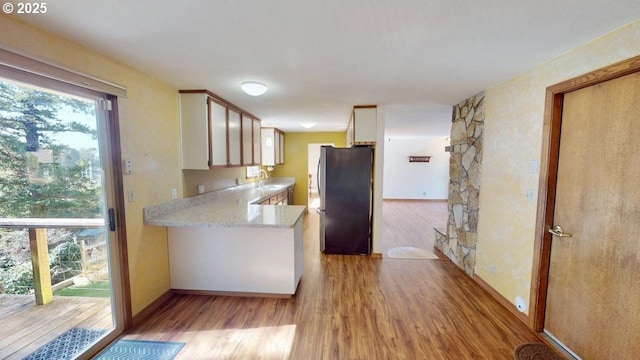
266 176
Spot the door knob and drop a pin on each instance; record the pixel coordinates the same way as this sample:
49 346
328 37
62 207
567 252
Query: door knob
558 231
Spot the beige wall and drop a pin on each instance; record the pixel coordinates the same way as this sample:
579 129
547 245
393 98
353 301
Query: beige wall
214 179
149 132
513 137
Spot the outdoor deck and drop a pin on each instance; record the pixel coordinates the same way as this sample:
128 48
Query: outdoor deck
27 326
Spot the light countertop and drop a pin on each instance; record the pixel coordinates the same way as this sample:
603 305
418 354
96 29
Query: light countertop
231 207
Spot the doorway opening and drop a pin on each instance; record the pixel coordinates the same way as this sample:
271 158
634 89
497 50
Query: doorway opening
313 159
414 193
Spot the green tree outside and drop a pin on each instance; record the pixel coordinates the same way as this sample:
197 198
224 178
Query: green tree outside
40 176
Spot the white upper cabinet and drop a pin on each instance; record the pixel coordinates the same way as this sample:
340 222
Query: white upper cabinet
350 131
280 152
218 134
276 148
235 138
194 131
257 145
362 129
215 134
268 142
272 147
247 140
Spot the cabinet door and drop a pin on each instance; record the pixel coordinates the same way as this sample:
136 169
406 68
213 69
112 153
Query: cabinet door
235 138
218 121
194 131
281 147
365 125
257 143
276 147
247 140
268 143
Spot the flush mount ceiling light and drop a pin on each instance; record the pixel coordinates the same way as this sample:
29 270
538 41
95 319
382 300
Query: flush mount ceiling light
253 88
307 125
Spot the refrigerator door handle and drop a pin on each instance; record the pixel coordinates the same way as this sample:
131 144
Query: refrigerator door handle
318 179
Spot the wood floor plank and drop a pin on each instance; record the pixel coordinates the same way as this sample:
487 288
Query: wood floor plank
11 305
349 307
44 334
100 319
27 322
25 331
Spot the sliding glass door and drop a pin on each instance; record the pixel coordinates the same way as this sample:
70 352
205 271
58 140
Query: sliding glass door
60 275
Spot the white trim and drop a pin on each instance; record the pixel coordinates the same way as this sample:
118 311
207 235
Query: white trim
13 59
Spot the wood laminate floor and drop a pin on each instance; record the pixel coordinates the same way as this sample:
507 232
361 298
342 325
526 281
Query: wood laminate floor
347 307
411 223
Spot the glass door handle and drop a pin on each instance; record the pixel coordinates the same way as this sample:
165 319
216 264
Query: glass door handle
558 231
112 219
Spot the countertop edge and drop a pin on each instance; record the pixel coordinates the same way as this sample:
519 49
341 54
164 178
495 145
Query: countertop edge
160 222
159 215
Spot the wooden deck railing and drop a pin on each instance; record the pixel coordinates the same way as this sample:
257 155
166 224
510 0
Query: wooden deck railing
40 250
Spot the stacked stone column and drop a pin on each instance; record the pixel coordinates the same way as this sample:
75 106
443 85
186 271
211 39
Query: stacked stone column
464 183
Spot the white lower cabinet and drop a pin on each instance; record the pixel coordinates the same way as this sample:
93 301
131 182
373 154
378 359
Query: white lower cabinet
265 261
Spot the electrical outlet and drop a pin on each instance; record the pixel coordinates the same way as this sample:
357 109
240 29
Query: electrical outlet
492 269
521 305
174 194
131 196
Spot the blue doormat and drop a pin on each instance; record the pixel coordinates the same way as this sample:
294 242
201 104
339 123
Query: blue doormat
67 345
124 349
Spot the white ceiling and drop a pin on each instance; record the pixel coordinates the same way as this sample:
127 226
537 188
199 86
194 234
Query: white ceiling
321 57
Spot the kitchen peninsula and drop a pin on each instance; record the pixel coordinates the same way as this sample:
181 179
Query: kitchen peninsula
225 242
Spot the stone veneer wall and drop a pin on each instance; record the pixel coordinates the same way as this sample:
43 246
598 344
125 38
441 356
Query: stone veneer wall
459 244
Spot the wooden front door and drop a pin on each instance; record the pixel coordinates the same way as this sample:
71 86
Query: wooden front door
593 292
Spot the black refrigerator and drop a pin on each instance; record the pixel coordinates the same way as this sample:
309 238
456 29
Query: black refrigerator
345 185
